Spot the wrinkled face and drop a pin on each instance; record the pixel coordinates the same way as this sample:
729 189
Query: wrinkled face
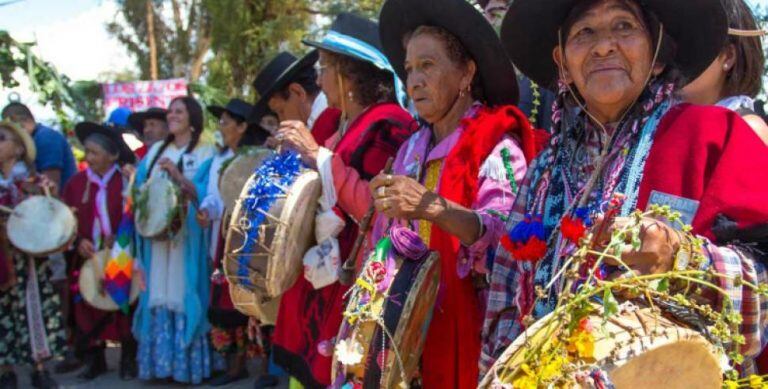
10 149
434 81
98 158
155 130
328 79
231 130
178 118
608 55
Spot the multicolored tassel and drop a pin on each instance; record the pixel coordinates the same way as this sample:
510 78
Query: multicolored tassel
527 241
119 269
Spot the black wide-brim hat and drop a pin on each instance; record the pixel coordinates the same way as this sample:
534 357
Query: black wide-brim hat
280 71
353 26
136 120
235 107
85 129
529 33
398 18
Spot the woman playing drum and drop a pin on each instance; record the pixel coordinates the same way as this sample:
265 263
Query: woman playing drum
456 176
97 195
357 79
27 298
229 334
170 322
620 62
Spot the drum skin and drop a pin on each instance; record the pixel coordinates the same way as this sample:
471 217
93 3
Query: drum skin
41 225
284 237
406 317
163 214
89 281
236 175
638 349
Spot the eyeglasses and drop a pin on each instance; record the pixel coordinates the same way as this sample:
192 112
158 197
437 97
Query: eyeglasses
319 67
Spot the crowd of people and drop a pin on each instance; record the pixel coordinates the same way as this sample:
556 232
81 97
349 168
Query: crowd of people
650 99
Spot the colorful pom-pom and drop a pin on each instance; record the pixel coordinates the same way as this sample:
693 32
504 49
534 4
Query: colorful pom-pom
527 240
574 227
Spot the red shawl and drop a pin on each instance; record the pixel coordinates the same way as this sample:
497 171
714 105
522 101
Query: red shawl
711 155
452 348
308 319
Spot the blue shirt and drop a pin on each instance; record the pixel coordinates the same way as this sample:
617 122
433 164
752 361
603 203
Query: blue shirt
53 152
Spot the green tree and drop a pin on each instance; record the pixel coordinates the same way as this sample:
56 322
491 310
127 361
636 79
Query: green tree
179 38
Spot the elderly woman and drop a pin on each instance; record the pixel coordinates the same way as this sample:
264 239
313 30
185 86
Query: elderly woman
455 178
97 195
170 322
229 327
735 77
358 80
27 298
621 63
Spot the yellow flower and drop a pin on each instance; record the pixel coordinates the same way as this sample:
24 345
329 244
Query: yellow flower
581 343
755 381
730 385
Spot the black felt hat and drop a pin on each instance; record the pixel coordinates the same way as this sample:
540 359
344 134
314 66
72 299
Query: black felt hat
530 33
136 120
85 129
280 71
234 107
349 25
401 17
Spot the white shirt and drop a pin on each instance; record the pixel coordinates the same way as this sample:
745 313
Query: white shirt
212 203
318 106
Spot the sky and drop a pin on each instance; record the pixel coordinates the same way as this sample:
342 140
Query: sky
71 34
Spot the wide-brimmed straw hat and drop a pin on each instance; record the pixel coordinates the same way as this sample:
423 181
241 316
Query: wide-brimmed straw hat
85 129
529 32
401 17
30 151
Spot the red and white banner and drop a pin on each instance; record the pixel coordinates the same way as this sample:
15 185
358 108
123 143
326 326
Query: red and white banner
140 95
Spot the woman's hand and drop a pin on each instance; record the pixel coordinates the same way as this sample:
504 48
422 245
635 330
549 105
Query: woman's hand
659 244
128 170
401 197
86 249
202 218
294 135
173 171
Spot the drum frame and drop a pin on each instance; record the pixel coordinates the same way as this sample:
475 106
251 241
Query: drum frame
59 249
175 217
393 329
272 238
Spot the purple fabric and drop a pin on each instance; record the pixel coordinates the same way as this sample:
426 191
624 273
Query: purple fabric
494 196
408 243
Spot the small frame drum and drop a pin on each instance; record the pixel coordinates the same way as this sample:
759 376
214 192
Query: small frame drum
388 327
236 174
41 226
637 348
275 262
91 276
159 212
